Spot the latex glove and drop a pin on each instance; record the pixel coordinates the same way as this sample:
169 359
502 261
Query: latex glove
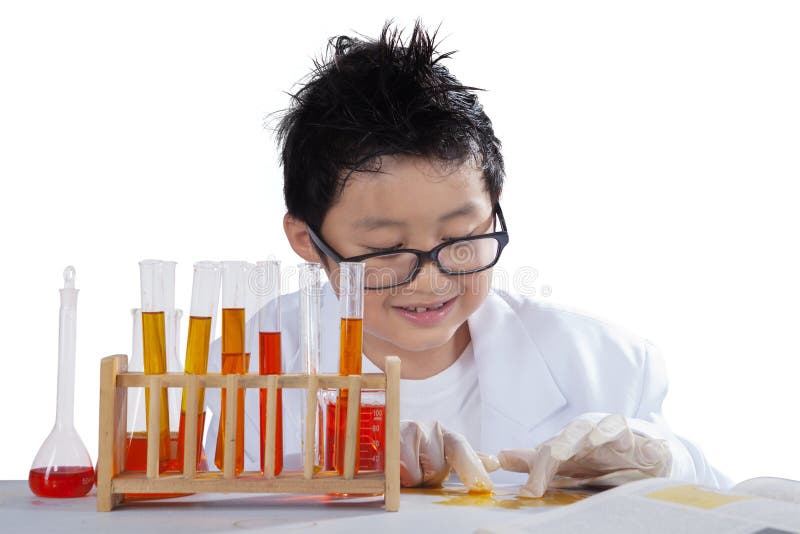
428 451
589 451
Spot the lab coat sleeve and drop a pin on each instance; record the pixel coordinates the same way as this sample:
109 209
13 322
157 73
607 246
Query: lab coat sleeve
688 462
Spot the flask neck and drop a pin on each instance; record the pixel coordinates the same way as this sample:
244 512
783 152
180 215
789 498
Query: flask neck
66 367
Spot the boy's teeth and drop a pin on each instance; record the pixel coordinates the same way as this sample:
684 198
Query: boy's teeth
420 310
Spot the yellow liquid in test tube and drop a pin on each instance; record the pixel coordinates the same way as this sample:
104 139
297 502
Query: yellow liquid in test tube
197 353
197 364
154 347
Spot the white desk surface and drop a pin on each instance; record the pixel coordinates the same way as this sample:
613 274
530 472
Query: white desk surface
421 511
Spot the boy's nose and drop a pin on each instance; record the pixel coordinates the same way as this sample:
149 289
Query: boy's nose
431 280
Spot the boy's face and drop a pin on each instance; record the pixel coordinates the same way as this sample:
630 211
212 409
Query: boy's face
413 203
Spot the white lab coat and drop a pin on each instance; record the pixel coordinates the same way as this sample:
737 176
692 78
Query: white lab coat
539 365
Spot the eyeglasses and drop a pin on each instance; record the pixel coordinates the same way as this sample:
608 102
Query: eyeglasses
392 268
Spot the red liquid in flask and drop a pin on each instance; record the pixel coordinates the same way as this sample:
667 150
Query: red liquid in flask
61 481
371 437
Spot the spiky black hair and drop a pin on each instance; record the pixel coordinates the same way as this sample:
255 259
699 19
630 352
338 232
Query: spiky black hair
369 98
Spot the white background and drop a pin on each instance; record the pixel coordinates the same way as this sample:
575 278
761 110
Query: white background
651 150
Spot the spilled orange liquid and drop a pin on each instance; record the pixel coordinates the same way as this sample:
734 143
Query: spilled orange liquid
507 498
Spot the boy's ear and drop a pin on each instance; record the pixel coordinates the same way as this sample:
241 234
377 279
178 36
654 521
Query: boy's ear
298 237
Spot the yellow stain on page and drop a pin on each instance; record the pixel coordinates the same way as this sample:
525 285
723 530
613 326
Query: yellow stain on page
697 496
507 498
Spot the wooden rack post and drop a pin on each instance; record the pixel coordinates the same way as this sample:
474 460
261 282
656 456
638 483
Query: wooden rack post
113 481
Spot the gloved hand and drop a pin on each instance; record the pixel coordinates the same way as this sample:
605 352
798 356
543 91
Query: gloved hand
591 452
428 451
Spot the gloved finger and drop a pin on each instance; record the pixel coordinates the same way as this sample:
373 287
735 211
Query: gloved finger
410 468
570 441
432 456
653 456
517 460
612 429
610 446
579 468
549 456
466 463
545 467
611 456
615 478
645 454
489 461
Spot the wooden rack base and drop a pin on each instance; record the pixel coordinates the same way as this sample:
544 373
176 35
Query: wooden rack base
113 481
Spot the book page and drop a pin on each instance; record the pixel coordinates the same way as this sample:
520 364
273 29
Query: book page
662 505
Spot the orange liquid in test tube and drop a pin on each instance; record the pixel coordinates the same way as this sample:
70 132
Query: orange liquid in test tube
349 364
234 361
269 346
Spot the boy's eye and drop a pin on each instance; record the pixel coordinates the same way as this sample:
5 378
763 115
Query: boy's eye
400 245
383 249
458 237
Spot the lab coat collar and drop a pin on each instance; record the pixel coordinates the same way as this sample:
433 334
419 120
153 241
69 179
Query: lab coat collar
518 391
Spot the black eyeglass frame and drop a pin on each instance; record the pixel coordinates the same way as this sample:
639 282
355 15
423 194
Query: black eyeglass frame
432 254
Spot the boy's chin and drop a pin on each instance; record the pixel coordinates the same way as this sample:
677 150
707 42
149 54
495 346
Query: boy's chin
421 339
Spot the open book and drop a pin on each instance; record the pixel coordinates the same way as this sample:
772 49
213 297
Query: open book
654 505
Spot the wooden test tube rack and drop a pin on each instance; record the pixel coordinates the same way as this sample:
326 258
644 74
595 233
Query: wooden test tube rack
113 481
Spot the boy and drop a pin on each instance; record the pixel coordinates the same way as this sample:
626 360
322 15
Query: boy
389 160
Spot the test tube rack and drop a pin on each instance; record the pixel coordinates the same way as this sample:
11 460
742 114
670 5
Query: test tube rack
113 481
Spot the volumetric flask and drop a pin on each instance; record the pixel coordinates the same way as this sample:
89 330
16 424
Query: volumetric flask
62 467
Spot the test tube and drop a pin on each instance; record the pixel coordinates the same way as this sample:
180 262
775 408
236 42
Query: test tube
310 304
157 284
205 300
235 360
137 413
310 293
351 313
267 286
172 320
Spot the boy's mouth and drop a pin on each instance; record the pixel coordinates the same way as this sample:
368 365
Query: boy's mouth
426 313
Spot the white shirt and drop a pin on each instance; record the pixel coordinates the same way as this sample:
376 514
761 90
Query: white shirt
451 397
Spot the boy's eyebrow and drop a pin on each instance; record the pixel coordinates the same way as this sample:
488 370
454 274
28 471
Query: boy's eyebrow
373 223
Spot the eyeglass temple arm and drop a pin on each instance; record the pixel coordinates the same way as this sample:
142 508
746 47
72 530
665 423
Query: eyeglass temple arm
500 216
